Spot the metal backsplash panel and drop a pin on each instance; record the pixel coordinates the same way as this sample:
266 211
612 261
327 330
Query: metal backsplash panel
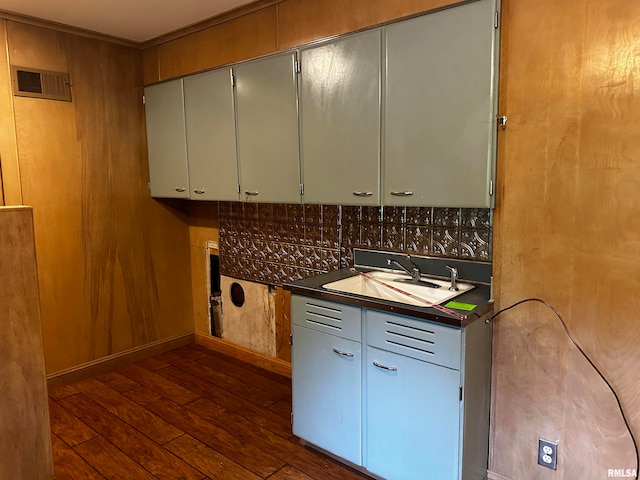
276 243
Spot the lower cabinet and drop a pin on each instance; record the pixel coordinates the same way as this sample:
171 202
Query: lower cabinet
401 397
412 417
327 377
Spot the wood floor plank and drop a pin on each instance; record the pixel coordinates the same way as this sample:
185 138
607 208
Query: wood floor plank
208 460
140 418
185 352
210 353
166 388
319 467
289 473
258 379
152 364
117 381
282 408
250 456
68 465
63 391
259 415
111 462
67 427
128 440
222 380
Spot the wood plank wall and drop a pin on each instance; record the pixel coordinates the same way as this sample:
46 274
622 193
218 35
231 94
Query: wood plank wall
566 231
25 436
113 263
11 192
278 27
565 224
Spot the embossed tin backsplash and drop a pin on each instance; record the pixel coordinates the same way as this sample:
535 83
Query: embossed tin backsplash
275 243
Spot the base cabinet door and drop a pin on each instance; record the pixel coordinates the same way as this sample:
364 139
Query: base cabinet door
327 397
412 418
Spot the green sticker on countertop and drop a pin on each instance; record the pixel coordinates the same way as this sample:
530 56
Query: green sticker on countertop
461 306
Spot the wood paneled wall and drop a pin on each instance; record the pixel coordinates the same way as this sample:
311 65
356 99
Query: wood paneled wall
113 263
10 191
278 27
566 231
25 436
565 227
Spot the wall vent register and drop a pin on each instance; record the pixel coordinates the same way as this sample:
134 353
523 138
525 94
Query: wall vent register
31 82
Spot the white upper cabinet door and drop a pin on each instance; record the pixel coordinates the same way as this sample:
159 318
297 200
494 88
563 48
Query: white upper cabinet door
340 120
267 128
166 140
211 136
440 108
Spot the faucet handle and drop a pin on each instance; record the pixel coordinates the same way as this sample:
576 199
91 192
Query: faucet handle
414 272
453 270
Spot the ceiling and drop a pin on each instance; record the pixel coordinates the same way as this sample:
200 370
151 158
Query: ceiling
133 20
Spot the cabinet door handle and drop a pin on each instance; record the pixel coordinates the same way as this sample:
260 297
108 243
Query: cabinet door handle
384 367
181 189
252 193
401 194
199 192
363 194
344 354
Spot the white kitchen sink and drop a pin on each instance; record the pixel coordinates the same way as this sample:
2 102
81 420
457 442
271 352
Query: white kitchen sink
421 295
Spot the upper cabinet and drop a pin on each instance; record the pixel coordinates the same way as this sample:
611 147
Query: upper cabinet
440 108
267 128
401 115
166 140
211 135
340 120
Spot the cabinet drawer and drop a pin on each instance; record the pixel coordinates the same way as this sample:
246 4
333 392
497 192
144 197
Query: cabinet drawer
438 344
329 317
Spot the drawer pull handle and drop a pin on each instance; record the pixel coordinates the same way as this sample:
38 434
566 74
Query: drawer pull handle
344 354
401 194
180 189
384 367
363 194
199 192
251 193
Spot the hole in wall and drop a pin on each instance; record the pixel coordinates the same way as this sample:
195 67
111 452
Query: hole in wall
237 294
215 297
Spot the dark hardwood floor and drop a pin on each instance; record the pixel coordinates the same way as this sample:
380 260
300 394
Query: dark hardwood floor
191 413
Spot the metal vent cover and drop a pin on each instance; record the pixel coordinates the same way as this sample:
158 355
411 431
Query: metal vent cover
32 82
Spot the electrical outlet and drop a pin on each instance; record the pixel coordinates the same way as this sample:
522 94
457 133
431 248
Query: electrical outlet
547 453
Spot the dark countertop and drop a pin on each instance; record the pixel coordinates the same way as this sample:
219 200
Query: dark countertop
312 287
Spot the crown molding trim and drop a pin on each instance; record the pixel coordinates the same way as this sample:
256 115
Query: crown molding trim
60 27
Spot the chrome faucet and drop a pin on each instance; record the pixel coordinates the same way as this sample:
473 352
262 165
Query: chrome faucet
454 278
414 272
